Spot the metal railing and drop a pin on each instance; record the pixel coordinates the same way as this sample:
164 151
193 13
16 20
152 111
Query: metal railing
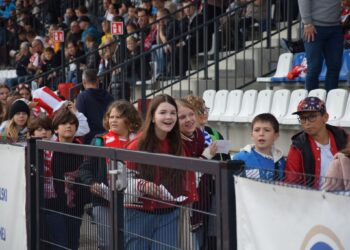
237 48
125 202
299 180
145 211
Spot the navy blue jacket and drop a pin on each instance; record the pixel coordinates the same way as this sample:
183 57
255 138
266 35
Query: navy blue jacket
93 104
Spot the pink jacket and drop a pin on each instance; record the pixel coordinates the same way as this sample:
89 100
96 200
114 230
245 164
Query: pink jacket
338 174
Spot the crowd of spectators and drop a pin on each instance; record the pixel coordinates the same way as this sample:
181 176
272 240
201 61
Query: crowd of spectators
163 27
175 127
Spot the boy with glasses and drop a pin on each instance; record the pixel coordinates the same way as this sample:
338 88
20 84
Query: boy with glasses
313 148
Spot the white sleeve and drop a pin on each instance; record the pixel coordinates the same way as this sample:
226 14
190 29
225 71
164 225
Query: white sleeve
83 128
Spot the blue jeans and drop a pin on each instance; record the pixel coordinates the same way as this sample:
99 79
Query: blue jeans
328 45
63 230
150 231
101 218
158 57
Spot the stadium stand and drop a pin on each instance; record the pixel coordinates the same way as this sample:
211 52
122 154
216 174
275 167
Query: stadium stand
209 99
280 103
320 93
248 106
233 106
296 96
263 103
335 104
220 103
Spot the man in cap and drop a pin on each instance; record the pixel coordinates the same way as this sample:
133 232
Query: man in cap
313 148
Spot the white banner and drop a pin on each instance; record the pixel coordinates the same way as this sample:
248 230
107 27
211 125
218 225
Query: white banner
13 232
276 217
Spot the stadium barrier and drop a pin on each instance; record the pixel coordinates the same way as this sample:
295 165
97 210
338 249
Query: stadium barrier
228 200
177 215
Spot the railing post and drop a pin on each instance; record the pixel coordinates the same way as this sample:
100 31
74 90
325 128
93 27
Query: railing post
216 54
31 173
289 20
63 60
39 187
205 41
116 211
268 24
122 49
143 83
228 203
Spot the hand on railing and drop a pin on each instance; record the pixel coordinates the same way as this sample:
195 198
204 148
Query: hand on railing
96 189
210 151
152 189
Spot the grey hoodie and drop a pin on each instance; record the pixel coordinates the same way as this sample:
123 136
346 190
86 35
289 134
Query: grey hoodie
320 12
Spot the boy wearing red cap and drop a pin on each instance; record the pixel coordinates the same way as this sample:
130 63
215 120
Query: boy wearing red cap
313 148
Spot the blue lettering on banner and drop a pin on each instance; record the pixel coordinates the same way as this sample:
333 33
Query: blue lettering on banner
2 234
3 194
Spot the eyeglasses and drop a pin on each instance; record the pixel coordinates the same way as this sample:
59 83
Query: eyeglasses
203 111
310 118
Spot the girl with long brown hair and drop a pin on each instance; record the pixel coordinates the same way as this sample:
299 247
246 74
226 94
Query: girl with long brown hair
153 213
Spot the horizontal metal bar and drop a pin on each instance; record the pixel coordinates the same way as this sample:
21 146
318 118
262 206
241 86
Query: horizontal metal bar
169 161
161 160
77 149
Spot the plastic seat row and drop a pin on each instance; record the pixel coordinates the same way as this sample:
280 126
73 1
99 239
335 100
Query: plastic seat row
241 107
7 73
287 61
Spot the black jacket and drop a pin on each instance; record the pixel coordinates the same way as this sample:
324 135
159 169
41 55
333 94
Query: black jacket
93 170
300 141
93 104
62 163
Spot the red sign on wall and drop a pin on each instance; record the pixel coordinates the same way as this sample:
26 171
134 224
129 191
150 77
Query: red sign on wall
117 28
58 36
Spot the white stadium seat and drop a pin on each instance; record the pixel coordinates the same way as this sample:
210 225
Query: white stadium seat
296 96
284 65
320 93
335 104
233 105
263 103
247 107
209 97
280 103
219 107
345 120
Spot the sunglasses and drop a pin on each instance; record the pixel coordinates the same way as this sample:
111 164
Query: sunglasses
22 86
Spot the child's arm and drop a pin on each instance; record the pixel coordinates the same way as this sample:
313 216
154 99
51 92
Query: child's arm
83 128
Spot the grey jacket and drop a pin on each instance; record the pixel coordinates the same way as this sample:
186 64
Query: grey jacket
320 12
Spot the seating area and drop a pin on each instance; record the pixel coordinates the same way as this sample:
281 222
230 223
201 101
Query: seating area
7 73
287 61
236 106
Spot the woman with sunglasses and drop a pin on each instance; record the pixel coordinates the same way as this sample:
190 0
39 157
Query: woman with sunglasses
25 91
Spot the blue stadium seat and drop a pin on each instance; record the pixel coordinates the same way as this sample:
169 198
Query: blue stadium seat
344 71
297 60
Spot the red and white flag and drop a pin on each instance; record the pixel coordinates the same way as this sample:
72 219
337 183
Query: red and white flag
47 100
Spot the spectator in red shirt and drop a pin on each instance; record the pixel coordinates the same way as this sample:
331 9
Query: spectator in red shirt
156 187
313 148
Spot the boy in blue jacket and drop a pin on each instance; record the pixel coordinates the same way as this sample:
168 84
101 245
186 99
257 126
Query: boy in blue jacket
262 159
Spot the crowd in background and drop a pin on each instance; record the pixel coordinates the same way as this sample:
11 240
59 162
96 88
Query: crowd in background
27 42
